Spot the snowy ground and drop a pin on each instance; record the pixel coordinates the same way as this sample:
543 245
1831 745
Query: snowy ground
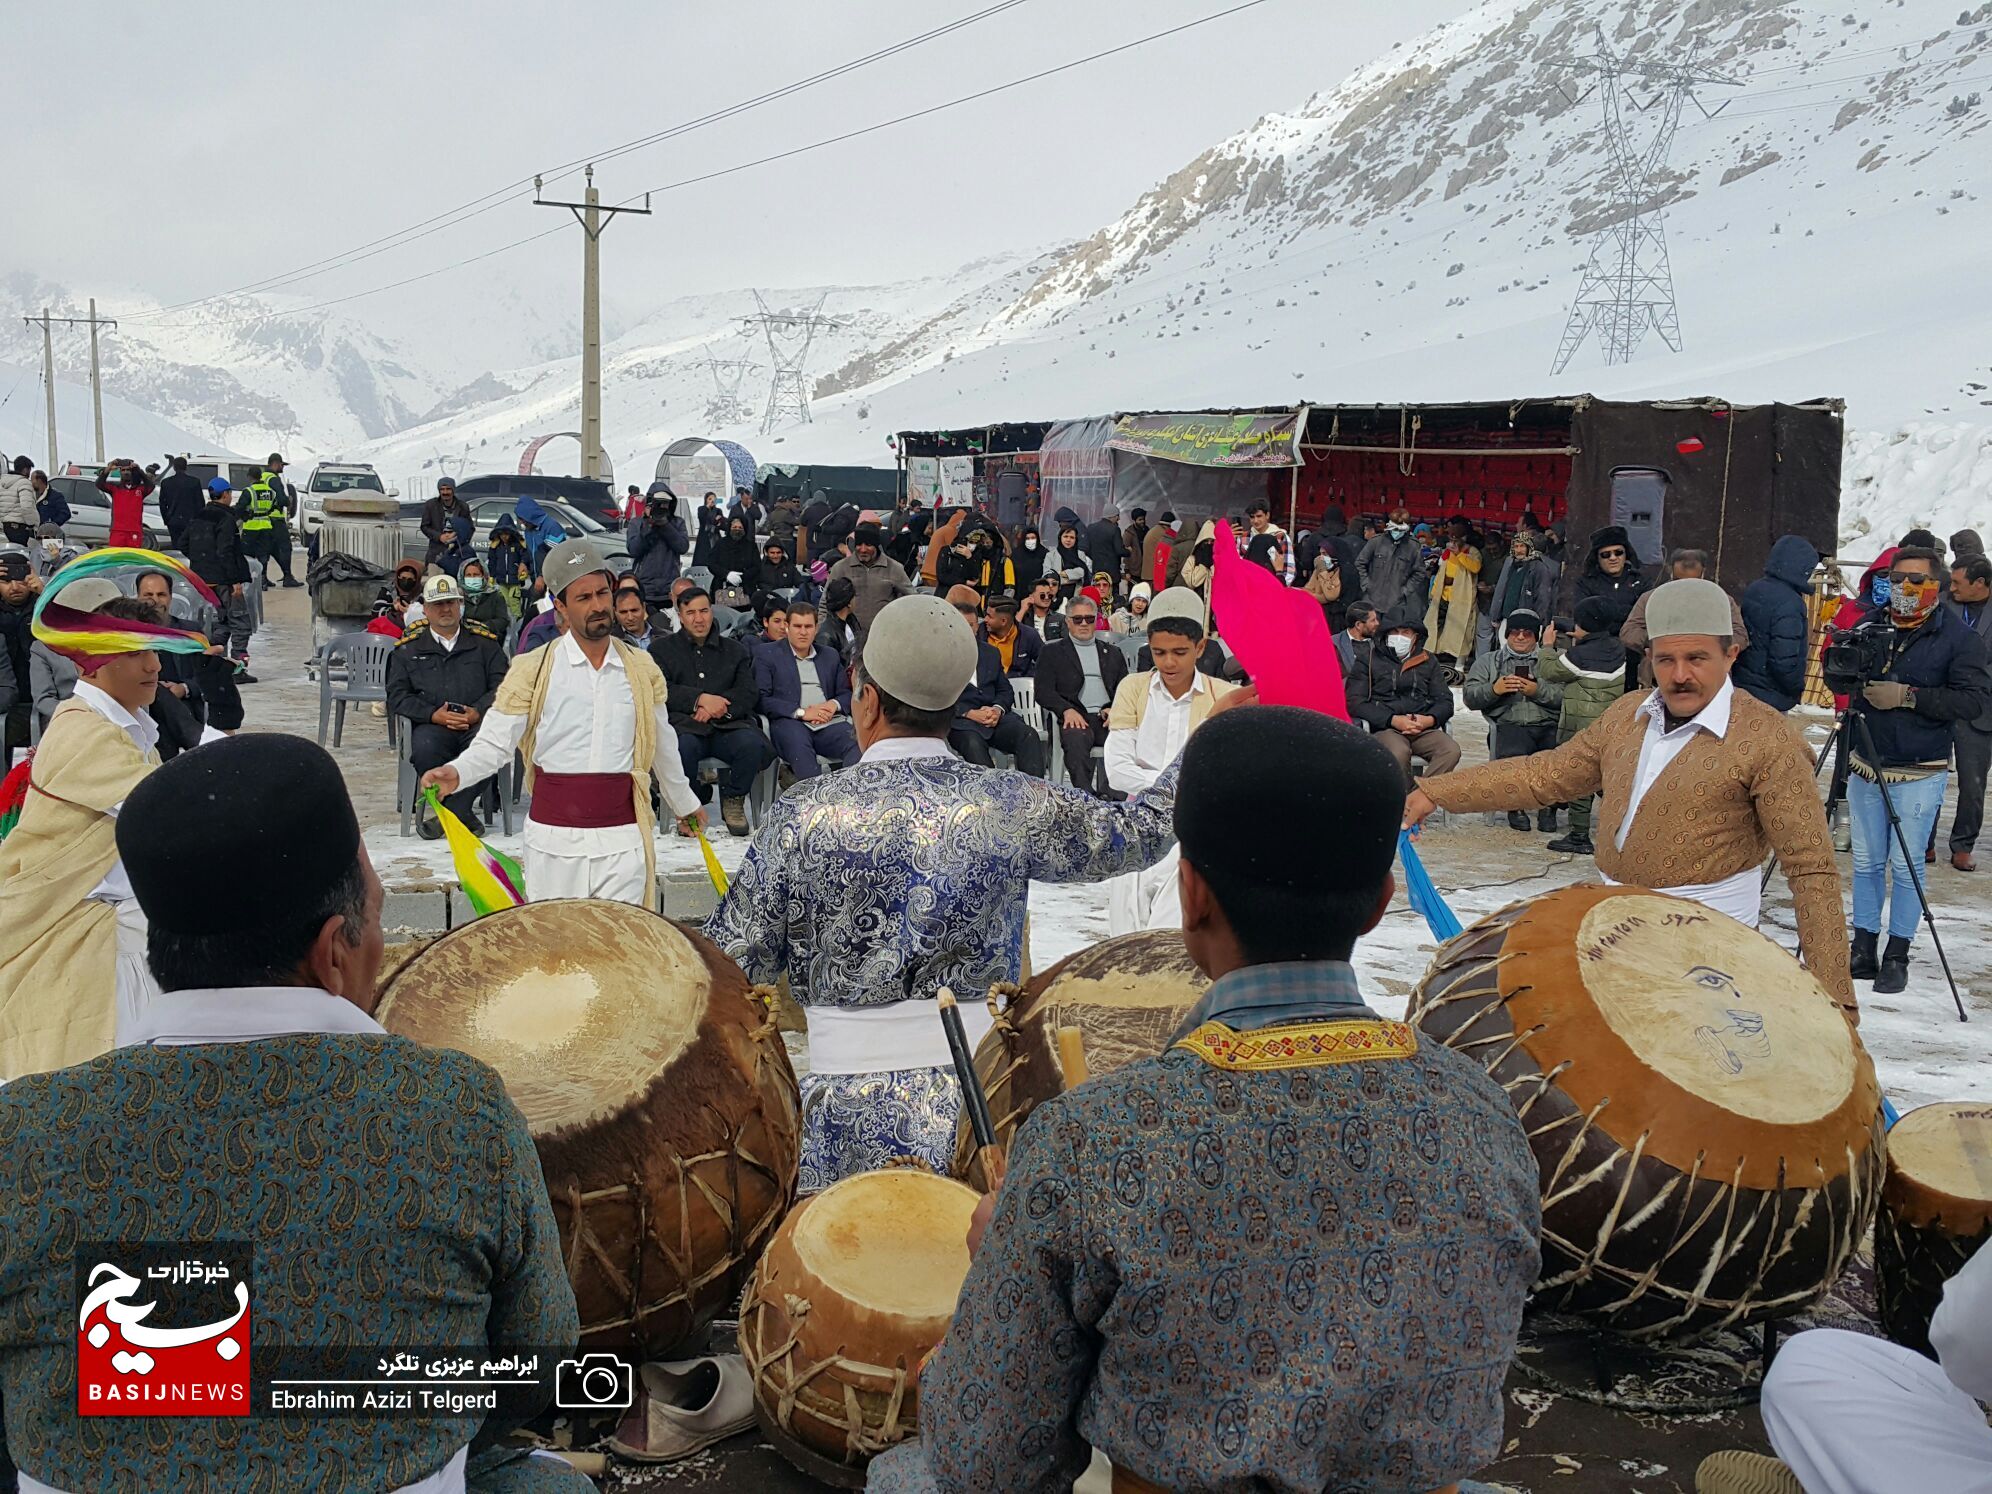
1923 1052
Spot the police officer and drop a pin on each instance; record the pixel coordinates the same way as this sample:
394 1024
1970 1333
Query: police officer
441 679
266 523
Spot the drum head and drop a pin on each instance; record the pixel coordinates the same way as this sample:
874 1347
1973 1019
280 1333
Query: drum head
892 1242
1128 995
1940 1167
1685 1035
578 1005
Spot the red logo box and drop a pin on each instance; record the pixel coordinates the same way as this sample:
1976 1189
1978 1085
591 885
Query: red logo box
163 1329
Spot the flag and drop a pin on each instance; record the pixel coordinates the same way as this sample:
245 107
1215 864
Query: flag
713 868
491 880
1424 897
1279 633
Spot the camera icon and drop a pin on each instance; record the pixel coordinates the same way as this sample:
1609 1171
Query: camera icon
594 1382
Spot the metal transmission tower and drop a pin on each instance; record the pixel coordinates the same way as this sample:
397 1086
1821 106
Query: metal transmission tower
1628 283
725 406
790 335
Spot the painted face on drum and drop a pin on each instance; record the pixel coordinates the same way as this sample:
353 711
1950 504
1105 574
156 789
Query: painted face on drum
1689 669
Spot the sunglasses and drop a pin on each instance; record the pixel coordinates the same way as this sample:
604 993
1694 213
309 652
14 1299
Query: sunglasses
1082 619
1611 555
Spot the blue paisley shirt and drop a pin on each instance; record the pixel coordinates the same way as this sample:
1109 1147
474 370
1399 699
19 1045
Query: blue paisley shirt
1297 1278
889 880
391 1194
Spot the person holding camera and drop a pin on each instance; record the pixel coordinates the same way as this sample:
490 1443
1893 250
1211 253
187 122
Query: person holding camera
127 485
1909 671
1521 709
1971 601
657 545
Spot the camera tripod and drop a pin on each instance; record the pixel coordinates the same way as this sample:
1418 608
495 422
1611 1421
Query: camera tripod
1847 723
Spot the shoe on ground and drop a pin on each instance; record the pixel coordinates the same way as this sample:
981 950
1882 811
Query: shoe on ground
268 584
1893 977
733 809
291 583
1745 1473
685 1406
1546 820
1518 819
1929 856
243 676
1573 844
785 779
473 824
1862 961
1964 861
426 822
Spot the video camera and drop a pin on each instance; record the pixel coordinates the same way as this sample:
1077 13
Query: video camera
1859 655
661 506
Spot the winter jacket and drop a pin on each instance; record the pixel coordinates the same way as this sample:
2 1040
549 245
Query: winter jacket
53 508
435 525
1519 708
989 687
739 554
214 546
1073 567
17 500
15 640
180 498
1378 688
1620 591
508 561
1946 663
1025 648
1102 541
1590 675
51 677
542 530
1029 562
1393 574
1777 610
873 585
712 526
718 666
655 548
489 611
1535 590
423 676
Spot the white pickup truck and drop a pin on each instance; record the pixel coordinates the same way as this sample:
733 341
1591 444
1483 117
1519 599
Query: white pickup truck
330 479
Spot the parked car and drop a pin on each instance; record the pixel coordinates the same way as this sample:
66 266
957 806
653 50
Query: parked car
89 523
328 479
592 496
487 513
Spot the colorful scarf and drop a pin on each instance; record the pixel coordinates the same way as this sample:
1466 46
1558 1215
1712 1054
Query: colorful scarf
87 639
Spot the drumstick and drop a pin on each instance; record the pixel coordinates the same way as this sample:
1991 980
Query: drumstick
987 1152
1072 1055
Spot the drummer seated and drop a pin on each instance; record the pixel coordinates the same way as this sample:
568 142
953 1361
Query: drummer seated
1850 1414
391 1193
1290 1252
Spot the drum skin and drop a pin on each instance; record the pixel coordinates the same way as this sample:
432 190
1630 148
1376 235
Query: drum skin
1710 1144
856 1288
657 1090
1936 1213
1127 995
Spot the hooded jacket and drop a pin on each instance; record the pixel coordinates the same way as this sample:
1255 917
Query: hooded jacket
214 546
1617 592
1393 573
1776 610
656 549
17 500
1518 708
1591 675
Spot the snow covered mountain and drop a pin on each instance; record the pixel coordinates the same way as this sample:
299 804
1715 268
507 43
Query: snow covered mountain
1416 233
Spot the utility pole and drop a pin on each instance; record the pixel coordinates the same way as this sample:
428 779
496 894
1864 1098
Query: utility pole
590 215
93 322
1628 285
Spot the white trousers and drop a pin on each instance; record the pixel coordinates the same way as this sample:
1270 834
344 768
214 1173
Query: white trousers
136 989
617 876
1146 899
1859 1415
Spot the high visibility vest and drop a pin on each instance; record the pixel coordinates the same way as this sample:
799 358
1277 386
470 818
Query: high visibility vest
263 506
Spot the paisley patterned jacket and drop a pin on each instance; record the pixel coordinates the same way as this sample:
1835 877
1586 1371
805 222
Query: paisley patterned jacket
1290 1253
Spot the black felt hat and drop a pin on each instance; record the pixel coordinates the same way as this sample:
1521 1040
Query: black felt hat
261 811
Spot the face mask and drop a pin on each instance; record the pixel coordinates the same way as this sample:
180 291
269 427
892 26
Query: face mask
473 584
1881 590
1911 604
1030 544
1398 531
1399 645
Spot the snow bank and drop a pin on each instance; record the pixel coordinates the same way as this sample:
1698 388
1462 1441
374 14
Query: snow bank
1934 475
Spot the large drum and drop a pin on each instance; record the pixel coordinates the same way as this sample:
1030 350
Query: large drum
656 1087
1127 996
1707 1126
854 1290
1936 1211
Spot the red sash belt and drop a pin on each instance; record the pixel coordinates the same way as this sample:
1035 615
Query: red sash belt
583 801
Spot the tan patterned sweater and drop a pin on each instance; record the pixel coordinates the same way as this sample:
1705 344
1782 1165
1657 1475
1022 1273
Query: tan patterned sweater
1718 809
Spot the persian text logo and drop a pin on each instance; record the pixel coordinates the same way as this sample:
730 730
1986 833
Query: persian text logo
163 1329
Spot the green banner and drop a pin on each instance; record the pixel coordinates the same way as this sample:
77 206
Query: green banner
1261 440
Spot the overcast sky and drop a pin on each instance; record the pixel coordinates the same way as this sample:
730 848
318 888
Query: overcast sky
185 149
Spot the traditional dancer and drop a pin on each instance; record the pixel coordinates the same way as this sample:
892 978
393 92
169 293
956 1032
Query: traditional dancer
1153 714
874 887
72 938
588 714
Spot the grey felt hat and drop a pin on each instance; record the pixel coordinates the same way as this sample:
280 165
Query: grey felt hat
920 651
1691 606
567 562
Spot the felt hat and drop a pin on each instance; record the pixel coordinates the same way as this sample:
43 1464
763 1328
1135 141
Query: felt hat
567 562
921 651
1691 606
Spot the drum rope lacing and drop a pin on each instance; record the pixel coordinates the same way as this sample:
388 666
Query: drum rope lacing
859 1442
996 1086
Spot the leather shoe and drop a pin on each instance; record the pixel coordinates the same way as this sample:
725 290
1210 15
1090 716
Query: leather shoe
1962 860
685 1406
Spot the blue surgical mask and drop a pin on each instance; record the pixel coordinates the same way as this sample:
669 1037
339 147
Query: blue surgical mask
473 584
1881 590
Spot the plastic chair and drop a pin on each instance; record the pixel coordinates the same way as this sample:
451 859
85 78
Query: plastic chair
498 792
360 662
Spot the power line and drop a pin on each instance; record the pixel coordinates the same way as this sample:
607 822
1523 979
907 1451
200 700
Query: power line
477 206
778 156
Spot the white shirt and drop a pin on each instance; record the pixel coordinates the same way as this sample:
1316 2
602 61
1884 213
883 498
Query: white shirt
249 1014
1135 759
144 734
905 749
587 726
1739 896
449 644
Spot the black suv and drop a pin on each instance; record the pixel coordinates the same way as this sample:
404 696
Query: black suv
590 495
